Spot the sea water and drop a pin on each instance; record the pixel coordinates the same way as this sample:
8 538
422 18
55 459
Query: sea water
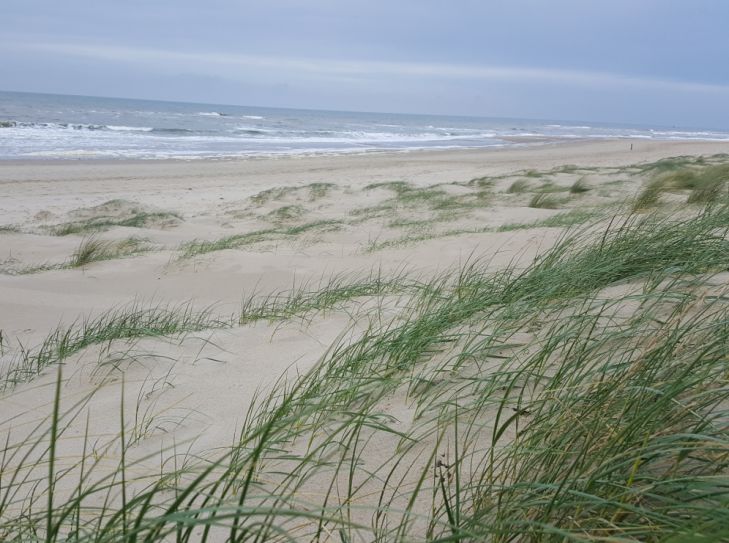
37 126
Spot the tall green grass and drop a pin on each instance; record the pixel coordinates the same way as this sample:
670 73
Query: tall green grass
92 249
127 322
335 292
582 398
706 183
580 186
518 186
544 200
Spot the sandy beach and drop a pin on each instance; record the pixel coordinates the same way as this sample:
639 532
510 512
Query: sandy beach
213 200
215 237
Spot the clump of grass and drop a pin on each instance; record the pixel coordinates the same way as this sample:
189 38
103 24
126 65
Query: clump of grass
70 228
236 241
431 198
138 219
384 209
315 191
93 249
709 193
669 165
395 186
324 225
275 193
16 268
434 198
9 229
545 201
568 219
375 245
706 184
518 186
549 187
484 182
319 190
462 202
649 196
416 196
410 223
127 322
694 178
332 293
570 169
286 213
580 186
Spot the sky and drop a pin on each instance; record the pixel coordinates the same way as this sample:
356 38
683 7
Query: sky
658 62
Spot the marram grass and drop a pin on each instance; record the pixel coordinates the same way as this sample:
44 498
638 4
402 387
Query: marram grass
584 398
127 322
707 184
237 241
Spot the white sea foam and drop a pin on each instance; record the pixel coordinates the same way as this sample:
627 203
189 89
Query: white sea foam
129 128
691 134
568 126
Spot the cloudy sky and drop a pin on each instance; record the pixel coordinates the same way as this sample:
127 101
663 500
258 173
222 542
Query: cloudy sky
642 61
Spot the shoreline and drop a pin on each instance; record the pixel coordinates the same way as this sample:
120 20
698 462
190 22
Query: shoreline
516 144
641 148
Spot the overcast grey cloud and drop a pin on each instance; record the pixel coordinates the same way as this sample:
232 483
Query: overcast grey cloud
641 61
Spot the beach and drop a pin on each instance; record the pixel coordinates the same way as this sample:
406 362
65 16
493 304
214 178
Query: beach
218 246
213 199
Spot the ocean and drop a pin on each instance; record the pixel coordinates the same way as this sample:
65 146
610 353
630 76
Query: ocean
46 126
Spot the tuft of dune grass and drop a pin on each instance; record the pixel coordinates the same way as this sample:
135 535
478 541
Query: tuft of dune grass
138 219
649 197
706 183
545 201
236 241
286 213
580 186
93 249
127 322
315 191
709 193
567 219
518 186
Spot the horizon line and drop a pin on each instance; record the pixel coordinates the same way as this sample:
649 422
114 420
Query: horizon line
370 112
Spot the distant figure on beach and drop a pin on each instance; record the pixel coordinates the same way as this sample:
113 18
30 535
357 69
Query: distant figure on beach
631 146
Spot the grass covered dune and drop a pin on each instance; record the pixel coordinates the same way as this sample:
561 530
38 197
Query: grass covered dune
560 374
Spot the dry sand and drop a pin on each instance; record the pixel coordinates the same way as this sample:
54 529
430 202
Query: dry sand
213 199
197 388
